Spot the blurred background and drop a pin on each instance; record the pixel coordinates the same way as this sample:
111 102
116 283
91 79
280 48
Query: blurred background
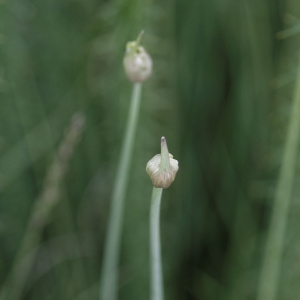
221 92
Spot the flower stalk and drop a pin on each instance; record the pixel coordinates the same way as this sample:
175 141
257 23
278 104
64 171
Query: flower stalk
155 252
109 279
138 68
162 169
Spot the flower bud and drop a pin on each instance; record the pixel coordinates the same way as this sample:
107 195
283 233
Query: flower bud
137 62
162 168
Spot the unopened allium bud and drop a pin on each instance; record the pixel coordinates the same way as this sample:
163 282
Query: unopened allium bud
137 62
162 168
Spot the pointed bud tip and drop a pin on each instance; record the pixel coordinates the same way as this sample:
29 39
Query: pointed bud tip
138 40
164 145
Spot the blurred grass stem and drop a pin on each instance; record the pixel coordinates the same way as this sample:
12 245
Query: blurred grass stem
156 266
43 207
109 279
274 246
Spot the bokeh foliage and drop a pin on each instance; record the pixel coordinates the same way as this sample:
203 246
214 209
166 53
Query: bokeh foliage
221 91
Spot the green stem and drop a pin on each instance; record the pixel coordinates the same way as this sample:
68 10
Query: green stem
274 245
109 285
156 266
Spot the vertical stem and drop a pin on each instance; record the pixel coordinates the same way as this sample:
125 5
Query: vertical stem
274 245
109 277
156 266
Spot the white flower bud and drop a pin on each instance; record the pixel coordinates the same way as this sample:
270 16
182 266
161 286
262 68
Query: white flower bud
162 168
137 62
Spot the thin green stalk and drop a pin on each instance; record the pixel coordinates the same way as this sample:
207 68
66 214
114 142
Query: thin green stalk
162 169
273 251
109 285
157 291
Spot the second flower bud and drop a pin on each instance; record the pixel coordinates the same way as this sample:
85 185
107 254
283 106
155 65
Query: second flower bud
137 62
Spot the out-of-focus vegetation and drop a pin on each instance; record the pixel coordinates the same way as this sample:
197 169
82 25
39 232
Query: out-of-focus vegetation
221 92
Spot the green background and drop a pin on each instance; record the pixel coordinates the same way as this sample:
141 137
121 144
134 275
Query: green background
221 90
